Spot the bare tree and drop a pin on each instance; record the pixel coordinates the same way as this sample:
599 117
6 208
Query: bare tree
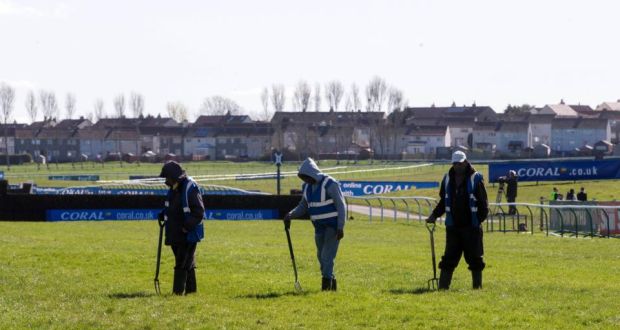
375 93
49 105
317 97
177 111
31 106
264 99
348 104
137 104
301 97
219 105
119 105
333 93
99 109
7 96
395 99
278 98
70 105
355 97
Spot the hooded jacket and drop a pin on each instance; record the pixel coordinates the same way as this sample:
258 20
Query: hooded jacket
461 215
179 224
309 168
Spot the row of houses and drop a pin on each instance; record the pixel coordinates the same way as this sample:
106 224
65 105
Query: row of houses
417 131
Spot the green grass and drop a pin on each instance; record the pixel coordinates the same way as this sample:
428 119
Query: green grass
528 192
100 275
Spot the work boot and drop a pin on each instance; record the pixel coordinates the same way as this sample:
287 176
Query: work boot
333 285
476 279
190 284
325 284
180 278
445 278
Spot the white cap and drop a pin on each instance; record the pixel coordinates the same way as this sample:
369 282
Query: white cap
458 157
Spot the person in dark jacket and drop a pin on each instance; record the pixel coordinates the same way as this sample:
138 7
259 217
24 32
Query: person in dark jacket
463 199
323 201
582 196
570 195
183 214
511 191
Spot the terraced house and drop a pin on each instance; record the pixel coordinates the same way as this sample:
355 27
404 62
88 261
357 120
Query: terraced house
414 132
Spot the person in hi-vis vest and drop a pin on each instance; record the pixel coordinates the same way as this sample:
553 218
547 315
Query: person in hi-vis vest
323 201
183 214
463 199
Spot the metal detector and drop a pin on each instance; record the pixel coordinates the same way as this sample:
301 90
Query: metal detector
290 249
433 283
162 222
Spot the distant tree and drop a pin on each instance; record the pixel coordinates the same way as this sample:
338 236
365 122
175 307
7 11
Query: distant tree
395 99
348 104
518 109
99 109
70 105
278 97
264 99
31 106
137 104
49 105
333 93
119 106
376 91
7 96
177 111
219 105
317 97
301 97
355 97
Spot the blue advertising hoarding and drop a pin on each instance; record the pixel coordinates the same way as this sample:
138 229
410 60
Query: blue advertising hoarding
73 178
567 170
101 214
361 188
97 191
151 214
242 214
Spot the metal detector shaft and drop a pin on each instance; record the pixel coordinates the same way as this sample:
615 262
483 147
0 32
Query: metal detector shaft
432 231
290 250
433 283
161 234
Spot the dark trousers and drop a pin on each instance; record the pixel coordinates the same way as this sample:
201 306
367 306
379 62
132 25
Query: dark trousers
511 209
463 241
184 264
184 256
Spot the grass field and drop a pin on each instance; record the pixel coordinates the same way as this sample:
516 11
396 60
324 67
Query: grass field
100 275
528 192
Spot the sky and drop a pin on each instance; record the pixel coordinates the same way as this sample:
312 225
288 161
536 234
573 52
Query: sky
488 52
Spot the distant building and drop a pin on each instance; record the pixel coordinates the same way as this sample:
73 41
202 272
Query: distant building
485 136
459 119
513 137
609 106
559 110
315 133
569 134
8 130
425 139
228 137
200 142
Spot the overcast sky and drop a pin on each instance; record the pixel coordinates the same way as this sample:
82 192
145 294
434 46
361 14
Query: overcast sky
491 52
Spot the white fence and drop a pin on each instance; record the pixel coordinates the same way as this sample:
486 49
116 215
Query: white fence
576 220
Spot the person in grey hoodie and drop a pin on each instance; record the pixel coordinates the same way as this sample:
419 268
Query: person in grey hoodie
323 201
